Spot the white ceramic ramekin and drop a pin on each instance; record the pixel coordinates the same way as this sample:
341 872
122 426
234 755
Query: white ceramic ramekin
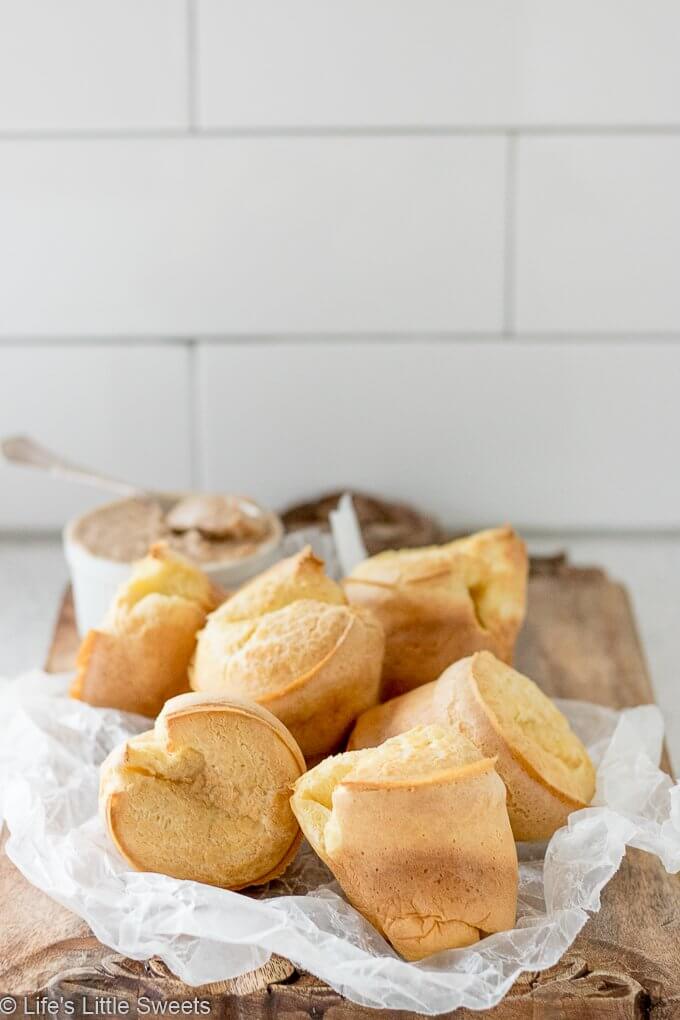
95 579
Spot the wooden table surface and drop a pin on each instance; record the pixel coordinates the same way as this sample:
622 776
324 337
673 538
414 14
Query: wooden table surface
579 641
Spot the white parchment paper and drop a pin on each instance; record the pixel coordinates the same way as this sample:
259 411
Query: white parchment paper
50 754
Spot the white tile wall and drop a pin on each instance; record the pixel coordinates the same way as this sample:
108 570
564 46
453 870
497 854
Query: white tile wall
458 62
334 176
119 64
82 65
121 409
176 236
598 234
561 435
596 62
359 62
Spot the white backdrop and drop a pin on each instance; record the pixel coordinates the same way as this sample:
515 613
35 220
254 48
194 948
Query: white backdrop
428 247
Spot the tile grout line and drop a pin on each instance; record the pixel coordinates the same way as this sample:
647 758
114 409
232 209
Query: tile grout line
509 239
327 337
358 131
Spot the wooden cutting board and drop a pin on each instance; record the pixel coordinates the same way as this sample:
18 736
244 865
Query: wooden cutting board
580 641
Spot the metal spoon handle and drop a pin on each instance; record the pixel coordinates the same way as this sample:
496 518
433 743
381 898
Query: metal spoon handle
25 451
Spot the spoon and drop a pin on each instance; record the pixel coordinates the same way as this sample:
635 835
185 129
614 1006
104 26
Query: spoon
213 515
25 451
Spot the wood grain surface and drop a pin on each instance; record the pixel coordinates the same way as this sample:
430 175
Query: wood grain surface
579 641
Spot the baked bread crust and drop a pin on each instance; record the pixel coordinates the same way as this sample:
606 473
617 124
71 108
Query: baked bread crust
441 603
546 768
170 802
289 641
422 844
543 764
378 724
140 655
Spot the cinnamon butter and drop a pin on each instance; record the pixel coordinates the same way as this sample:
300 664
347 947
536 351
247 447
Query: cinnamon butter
207 529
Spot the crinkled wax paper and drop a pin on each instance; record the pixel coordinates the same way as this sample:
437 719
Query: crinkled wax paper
51 750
